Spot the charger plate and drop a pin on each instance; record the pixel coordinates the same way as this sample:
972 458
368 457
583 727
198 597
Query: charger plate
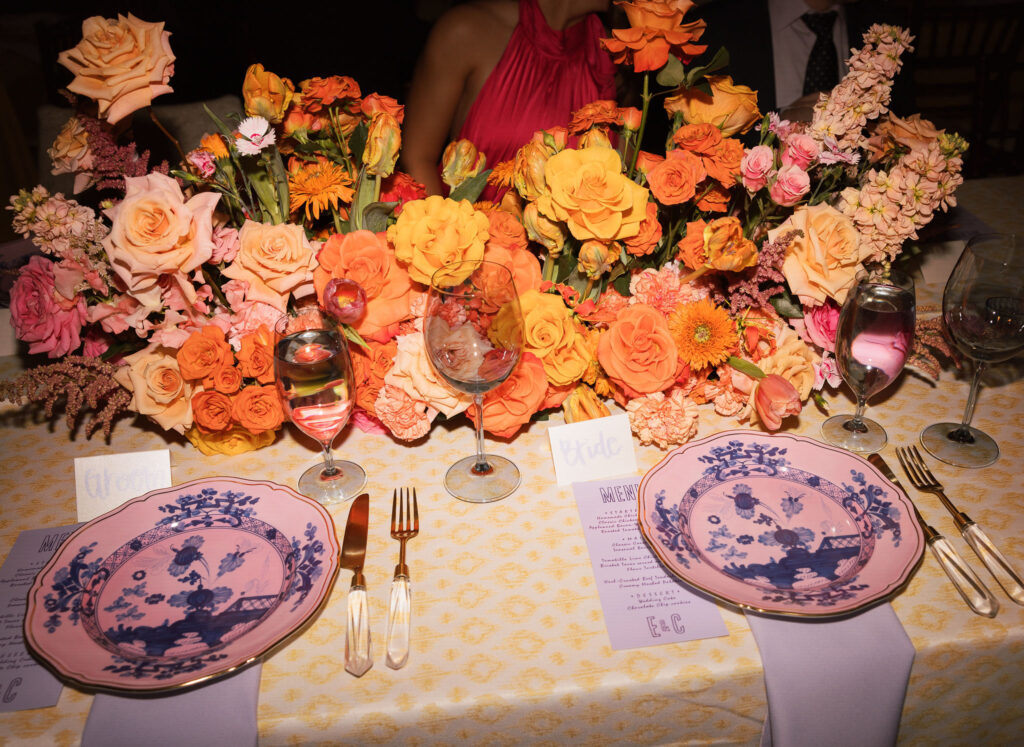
182 585
780 524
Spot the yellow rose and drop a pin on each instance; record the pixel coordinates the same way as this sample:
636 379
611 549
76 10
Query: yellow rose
435 232
461 161
794 360
70 154
276 262
551 332
121 64
229 443
155 231
414 374
587 190
382 144
548 233
731 108
266 94
159 391
823 262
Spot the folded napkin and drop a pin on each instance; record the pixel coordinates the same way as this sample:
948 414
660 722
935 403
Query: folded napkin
221 714
835 682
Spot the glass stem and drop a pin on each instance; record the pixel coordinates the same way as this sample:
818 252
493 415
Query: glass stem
481 467
856 423
329 469
963 433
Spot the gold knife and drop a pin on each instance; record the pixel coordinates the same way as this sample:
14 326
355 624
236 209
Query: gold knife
358 657
964 579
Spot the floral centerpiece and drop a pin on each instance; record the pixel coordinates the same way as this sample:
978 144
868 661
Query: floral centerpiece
707 276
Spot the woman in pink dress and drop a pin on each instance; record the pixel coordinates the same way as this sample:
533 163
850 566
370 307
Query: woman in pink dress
496 71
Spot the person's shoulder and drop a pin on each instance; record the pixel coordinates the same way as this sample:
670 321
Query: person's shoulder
477 20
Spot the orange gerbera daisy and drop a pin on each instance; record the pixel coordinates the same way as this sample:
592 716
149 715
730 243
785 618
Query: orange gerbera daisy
317 186
704 333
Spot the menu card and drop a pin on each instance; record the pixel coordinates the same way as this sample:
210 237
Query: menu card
24 683
643 603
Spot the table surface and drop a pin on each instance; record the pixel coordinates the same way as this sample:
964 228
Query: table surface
508 640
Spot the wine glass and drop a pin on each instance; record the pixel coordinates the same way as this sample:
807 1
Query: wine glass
314 378
873 340
473 330
983 308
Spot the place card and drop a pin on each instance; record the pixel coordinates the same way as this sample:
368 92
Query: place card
643 603
24 683
592 450
105 482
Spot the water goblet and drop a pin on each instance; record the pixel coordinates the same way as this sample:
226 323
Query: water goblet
473 332
873 340
314 378
983 309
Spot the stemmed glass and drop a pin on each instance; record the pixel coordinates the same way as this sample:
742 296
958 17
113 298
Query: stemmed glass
314 378
983 308
473 330
873 340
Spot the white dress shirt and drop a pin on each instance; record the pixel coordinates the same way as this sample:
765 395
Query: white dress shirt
791 46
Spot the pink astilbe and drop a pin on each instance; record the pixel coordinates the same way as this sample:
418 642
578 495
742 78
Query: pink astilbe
112 163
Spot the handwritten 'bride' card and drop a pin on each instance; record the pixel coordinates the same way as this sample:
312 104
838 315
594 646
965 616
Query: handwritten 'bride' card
643 603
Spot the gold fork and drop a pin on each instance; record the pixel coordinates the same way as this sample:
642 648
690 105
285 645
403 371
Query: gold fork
405 524
922 478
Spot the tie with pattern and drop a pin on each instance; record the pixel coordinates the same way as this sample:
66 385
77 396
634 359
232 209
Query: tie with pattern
823 64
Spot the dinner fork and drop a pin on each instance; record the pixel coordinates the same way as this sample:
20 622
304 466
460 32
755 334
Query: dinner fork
405 524
922 478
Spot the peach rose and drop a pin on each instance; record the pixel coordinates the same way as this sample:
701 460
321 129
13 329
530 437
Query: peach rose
794 360
509 407
258 409
731 108
158 389
550 332
774 399
674 180
212 411
121 64
824 261
646 240
524 265
366 258
276 261
587 190
413 373
637 351
435 232
230 442
256 355
70 154
266 95
203 353
155 231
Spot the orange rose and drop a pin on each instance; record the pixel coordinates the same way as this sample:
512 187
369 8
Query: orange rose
714 200
646 241
524 265
256 356
637 351
266 95
505 230
723 164
258 409
674 180
121 64
320 92
370 366
436 232
594 114
731 108
276 261
203 353
510 406
700 138
656 29
212 411
228 379
366 258
158 388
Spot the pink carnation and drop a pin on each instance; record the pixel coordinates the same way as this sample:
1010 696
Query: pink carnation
665 421
407 418
791 184
757 167
38 318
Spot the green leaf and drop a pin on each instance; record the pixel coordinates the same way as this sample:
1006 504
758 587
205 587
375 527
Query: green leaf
787 306
354 336
226 131
471 188
621 284
357 142
367 190
695 75
745 367
672 74
376 214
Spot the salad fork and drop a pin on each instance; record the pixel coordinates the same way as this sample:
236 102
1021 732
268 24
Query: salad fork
922 478
405 524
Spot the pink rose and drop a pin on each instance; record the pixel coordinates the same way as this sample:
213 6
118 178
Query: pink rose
757 167
820 324
791 183
800 150
41 317
774 399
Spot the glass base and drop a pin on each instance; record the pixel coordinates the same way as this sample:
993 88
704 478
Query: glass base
328 490
863 442
468 485
981 453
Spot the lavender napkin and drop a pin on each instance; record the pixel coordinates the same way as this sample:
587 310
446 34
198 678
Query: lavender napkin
835 682
221 714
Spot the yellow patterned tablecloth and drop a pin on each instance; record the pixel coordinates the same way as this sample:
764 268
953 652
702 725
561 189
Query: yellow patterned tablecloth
509 642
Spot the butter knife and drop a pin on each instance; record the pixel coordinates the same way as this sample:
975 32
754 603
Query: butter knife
965 580
358 657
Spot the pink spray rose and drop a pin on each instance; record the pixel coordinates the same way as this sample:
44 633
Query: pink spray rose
791 184
800 150
43 318
820 324
757 167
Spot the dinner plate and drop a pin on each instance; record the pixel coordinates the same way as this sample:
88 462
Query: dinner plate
780 524
182 584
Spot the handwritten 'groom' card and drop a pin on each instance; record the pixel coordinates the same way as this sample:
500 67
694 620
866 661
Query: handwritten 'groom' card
643 603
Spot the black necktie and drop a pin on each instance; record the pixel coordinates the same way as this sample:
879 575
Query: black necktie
823 64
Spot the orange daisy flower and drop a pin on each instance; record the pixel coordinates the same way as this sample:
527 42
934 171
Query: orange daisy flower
704 333
317 186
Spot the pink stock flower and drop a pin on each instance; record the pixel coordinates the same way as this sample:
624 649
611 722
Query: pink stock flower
800 150
42 317
757 167
791 184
